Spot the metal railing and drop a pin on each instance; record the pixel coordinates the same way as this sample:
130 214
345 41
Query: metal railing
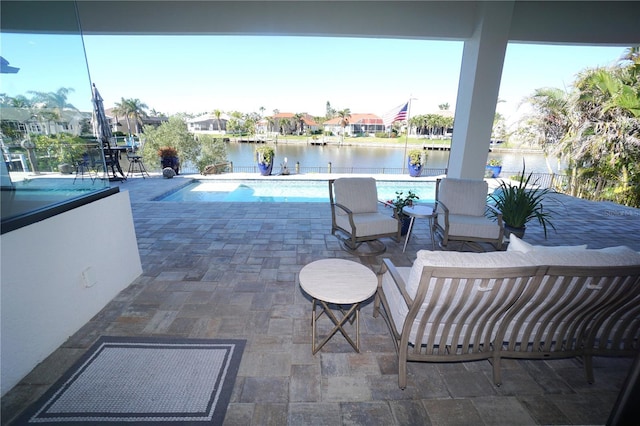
329 168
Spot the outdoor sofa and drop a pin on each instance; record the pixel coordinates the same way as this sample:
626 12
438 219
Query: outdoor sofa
529 302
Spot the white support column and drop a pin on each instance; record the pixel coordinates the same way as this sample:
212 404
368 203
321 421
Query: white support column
482 62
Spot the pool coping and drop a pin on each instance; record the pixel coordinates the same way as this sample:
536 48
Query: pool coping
315 177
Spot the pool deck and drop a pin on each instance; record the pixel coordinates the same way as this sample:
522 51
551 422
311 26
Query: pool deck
230 270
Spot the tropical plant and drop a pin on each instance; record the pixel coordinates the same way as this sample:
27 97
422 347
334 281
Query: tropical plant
416 157
522 202
401 201
264 154
595 129
167 151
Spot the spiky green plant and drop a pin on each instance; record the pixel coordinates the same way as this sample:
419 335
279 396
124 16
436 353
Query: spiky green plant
522 202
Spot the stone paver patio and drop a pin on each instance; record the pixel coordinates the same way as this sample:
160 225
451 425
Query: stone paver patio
229 270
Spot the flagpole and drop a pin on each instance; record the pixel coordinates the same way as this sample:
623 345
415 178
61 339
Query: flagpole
406 140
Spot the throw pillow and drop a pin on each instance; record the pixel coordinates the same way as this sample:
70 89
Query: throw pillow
516 244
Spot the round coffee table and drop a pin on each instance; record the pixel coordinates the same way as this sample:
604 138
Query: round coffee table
338 282
420 211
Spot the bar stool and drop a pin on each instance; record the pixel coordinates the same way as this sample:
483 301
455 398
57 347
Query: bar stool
136 165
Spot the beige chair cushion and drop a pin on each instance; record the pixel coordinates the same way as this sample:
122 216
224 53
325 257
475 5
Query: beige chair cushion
360 195
369 224
471 226
463 196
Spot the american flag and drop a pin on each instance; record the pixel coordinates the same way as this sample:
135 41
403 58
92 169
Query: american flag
398 113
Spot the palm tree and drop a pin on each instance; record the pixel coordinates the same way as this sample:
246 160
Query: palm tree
217 113
284 123
344 115
431 122
550 107
53 104
632 54
298 123
155 113
271 123
131 108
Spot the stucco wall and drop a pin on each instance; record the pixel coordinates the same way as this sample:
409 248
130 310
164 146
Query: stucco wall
59 273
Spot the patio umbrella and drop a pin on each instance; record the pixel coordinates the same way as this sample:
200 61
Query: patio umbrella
102 132
101 128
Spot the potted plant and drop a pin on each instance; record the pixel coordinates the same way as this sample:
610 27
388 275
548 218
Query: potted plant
264 158
415 161
400 202
520 203
493 168
169 158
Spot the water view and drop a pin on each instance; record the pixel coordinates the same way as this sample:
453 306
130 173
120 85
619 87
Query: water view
242 154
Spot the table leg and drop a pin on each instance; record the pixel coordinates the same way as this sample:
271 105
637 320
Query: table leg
338 325
406 240
433 241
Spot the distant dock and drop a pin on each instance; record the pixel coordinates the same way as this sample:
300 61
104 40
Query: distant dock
437 147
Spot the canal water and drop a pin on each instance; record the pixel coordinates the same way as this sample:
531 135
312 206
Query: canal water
242 154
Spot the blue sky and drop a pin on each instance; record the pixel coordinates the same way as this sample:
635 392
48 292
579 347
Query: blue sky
292 74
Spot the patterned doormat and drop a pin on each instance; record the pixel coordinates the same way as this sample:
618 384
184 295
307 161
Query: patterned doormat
143 381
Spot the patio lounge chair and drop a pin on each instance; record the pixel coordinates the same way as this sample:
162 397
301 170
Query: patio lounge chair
354 213
461 206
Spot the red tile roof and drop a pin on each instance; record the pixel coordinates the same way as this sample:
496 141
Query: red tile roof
306 118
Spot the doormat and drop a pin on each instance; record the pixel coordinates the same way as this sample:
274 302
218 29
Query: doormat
133 380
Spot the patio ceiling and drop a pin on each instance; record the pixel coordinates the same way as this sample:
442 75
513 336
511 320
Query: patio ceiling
617 22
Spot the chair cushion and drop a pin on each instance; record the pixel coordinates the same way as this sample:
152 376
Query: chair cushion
464 196
368 224
360 195
471 226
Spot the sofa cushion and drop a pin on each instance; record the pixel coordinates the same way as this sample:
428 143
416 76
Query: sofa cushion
611 256
491 260
516 244
397 309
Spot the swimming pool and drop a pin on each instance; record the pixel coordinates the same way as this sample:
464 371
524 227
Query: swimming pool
284 191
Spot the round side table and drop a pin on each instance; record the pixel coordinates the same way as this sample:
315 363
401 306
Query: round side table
339 282
419 211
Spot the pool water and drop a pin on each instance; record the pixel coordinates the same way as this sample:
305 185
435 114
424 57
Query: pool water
285 191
